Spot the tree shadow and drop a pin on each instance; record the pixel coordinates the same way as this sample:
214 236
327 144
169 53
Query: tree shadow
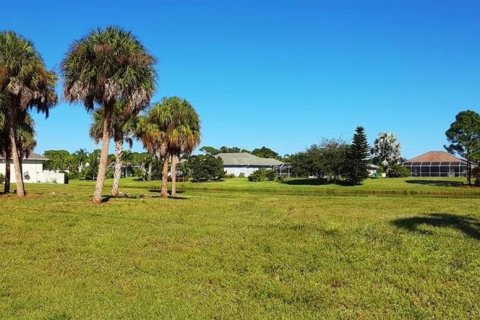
306 182
177 198
437 183
159 190
469 226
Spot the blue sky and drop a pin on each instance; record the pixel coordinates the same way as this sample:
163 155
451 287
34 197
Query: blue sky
282 74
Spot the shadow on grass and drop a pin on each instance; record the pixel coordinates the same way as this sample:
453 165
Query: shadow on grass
317 182
437 183
469 226
159 190
306 182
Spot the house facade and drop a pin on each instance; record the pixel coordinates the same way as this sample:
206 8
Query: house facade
245 164
32 170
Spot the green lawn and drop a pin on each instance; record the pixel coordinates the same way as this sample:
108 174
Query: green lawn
234 249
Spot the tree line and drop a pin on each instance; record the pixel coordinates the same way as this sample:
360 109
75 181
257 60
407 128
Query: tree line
112 74
336 161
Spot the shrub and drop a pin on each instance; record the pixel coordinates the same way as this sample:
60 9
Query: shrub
397 171
229 176
206 168
476 175
2 178
241 175
262 175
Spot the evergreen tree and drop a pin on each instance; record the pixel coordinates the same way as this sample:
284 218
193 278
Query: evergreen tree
357 158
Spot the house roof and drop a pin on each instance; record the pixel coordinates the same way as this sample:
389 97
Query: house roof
33 156
247 159
436 156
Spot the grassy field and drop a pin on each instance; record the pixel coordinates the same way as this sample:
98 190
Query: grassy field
388 249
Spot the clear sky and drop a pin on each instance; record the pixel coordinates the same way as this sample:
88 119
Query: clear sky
277 73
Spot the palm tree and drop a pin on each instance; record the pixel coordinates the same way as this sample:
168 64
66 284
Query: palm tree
185 133
106 66
25 83
25 138
122 128
171 127
81 156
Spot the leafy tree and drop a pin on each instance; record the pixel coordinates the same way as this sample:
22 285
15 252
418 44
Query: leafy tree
25 84
265 152
122 128
323 160
464 138
57 160
205 168
386 151
356 164
107 66
210 150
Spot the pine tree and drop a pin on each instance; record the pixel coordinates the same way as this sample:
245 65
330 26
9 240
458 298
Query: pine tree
356 169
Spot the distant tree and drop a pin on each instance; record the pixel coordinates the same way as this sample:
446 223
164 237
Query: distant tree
171 127
265 152
81 156
464 138
209 150
225 149
58 160
333 156
356 164
205 168
386 151
91 166
323 160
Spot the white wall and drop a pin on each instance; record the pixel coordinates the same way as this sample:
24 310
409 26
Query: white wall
245 170
33 173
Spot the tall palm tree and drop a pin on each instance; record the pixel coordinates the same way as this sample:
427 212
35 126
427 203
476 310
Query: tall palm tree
122 128
171 127
25 83
106 66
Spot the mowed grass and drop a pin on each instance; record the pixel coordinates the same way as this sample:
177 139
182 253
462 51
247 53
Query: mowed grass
241 253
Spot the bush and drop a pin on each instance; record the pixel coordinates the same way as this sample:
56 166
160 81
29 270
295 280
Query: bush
2 178
262 175
476 175
229 176
206 168
397 171
241 175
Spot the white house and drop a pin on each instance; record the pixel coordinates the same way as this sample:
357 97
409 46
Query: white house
246 163
33 172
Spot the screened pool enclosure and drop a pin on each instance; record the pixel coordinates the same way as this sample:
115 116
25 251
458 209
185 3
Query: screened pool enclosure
436 164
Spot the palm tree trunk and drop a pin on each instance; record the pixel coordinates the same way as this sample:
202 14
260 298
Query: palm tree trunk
102 166
150 168
16 163
174 175
118 166
164 191
8 156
